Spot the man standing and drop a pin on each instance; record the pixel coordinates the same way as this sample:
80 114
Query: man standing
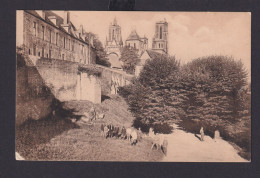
201 134
102 129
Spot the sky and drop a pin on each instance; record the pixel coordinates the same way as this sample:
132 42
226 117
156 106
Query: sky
191 34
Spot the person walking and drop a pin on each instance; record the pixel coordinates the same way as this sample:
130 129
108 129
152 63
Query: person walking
123 133
201 134
216 135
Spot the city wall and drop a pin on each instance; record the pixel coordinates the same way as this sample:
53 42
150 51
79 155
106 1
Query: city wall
40 80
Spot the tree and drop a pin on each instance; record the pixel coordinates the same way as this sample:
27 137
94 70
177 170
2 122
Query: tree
152 97
101 56
211 85
130 58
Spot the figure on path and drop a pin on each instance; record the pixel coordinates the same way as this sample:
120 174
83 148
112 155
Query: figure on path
123 133
102 129
216 135
201 134
93 113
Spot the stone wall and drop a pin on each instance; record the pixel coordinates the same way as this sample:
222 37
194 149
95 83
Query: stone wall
33 97
40 80
66 82
88 88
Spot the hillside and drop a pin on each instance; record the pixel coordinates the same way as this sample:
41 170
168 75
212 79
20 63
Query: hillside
60 139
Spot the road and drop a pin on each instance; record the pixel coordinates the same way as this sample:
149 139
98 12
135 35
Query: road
185 147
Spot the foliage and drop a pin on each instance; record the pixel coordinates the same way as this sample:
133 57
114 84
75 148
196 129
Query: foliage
130 58
212 85
150 96
101 57
90 69
208 90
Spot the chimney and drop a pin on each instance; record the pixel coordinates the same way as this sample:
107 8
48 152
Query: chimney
81 29
41 13
66 19
53 19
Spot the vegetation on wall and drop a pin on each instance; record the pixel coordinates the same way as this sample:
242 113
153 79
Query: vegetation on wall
90 69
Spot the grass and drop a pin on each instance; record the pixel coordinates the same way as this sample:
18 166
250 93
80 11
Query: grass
85 143
60 139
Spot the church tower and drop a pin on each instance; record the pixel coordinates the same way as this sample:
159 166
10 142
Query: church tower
114 35
160 39
114 44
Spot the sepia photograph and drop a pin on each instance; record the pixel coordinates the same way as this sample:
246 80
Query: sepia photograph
133 86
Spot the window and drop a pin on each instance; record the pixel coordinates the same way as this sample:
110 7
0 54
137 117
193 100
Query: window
43 52
57 38
50 35
34 50
49 53
160 32
159 45
134 45
29 52
43 32
72 45
39 54
62 56
82 47
64 44
69 44
34 28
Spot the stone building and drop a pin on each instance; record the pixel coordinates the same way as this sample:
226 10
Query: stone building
46 34
147 54
135 41
159 46
160 39
114 44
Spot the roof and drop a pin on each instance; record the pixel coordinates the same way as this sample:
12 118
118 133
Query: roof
154 54
133 36
59 23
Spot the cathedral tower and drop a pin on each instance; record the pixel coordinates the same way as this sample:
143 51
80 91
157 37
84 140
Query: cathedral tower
114 37
160 39
114 44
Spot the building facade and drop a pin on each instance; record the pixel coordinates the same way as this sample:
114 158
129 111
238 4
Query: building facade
135 41
47 35
160 39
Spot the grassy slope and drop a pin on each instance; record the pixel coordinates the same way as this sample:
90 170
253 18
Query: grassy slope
83 142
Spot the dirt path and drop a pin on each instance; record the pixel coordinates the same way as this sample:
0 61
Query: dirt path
185 147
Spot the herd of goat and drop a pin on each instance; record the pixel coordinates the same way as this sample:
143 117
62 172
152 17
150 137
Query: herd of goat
134 136
131 134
